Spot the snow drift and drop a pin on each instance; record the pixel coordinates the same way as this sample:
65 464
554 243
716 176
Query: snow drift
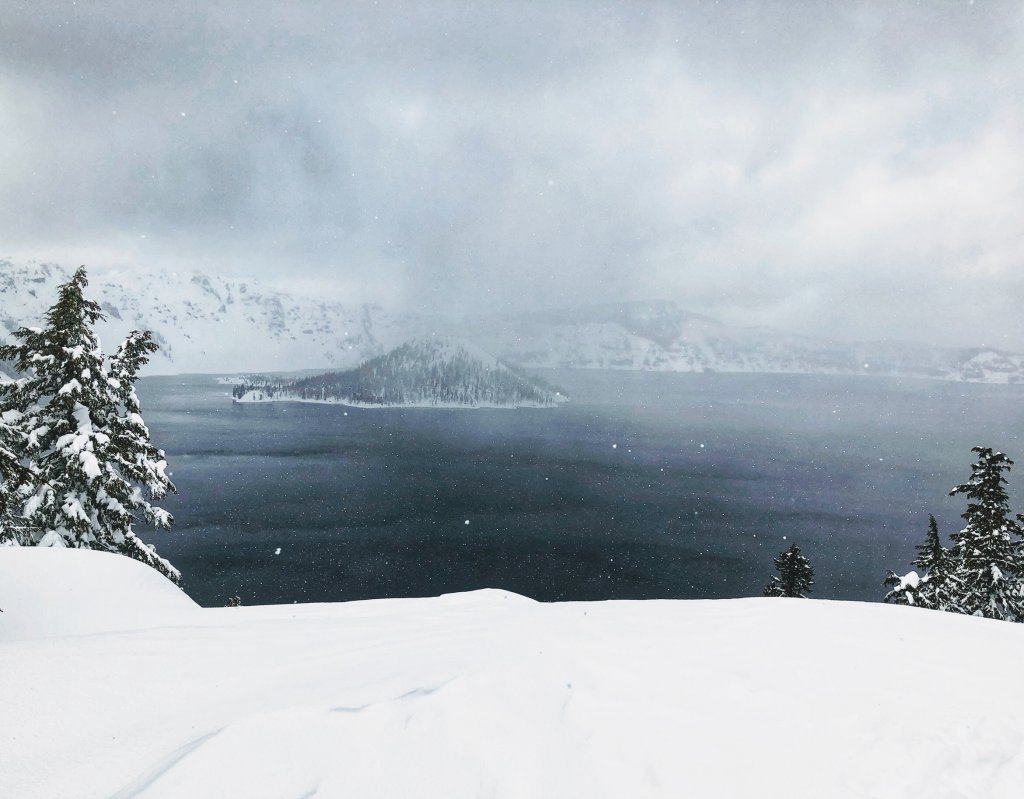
491 694
52 591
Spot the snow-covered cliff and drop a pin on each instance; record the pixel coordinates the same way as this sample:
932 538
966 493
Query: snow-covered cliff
206 323
661 336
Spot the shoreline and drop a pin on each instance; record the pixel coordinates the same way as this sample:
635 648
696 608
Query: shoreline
399 406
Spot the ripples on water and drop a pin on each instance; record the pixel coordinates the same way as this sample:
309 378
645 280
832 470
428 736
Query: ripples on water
646 485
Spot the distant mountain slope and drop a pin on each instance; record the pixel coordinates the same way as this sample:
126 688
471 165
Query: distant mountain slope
424 372
206 323
660 336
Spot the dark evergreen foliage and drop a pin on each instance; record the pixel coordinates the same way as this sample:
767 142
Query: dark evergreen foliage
902 588
795 575
12 475
924 589
987 550
932 557
982 574
76 454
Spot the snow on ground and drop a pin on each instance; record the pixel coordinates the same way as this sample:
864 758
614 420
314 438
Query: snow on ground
53 591
489 694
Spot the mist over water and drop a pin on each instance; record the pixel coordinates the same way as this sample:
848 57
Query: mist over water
646 485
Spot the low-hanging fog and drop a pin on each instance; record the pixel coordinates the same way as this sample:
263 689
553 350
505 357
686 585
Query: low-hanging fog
847 169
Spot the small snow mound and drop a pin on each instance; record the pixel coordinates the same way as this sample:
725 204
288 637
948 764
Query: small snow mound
482 595
48 592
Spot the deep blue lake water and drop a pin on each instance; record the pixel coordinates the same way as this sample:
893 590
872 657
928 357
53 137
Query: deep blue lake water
645 485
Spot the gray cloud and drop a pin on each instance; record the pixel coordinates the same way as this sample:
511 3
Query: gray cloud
848 169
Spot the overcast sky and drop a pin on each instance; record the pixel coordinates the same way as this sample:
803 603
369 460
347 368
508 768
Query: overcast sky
852 170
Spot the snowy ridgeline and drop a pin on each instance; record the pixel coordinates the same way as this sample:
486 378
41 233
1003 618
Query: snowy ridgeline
206 323
434 373
491 694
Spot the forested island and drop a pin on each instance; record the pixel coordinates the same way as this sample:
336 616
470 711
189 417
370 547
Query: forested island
421 373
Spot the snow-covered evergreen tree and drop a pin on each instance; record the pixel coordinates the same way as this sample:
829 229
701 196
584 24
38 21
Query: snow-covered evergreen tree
795 575
932 557
903 588
79 455
12 474
986 555
928 588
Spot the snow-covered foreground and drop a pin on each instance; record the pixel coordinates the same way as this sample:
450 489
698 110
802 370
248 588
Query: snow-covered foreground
489 694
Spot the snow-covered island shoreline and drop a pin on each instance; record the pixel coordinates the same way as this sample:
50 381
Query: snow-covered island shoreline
257 396
117 685
427 373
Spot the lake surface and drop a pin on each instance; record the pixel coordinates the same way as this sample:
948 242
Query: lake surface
645 485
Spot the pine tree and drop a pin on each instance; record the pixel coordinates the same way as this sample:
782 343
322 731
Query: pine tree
931 555
933 559
987 567
12 474
927 588
81 451
795 575
903 589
